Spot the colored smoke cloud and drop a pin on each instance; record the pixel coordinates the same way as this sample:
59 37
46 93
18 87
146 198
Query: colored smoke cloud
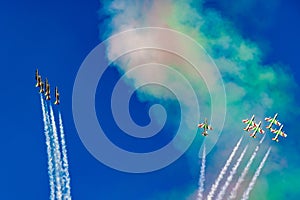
252 86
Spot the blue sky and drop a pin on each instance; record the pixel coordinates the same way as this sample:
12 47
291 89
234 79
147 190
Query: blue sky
55 37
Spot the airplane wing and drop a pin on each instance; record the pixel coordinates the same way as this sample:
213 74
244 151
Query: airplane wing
261 131
251 128
249 122
210 128
245 120
268 119
273 130
201 125
283 134
277 122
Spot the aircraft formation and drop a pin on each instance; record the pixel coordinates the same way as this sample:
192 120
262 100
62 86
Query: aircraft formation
252 126
45 87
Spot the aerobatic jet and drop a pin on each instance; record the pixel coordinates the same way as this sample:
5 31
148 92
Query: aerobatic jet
256 128
272 121
249 123
42 87
47 90
205 127
38 79
278 132
56 96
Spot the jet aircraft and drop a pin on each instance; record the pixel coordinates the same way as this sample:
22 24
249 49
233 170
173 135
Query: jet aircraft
278 132
39 82
249 123
56 96
47 90
256 128
38 79
272 121
205 127
42 87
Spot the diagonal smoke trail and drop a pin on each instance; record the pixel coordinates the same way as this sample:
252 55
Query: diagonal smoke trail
232 173
256 175
66 175
202 175
223 171
57 156
233 193
49 151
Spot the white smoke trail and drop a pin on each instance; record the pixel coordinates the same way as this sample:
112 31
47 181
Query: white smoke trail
223 171
66 175
49 153
57 156
233 193
256 175
202 176
232 173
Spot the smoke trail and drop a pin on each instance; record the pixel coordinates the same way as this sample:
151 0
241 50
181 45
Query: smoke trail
56 170
49 153
232 173
256 175
223 171
202 176
57 156
233 193
66 175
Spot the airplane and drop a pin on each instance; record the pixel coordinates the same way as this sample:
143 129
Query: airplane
56 96
256 128
42 87
272 121
249 123
278 132
38 79
205 127
47 89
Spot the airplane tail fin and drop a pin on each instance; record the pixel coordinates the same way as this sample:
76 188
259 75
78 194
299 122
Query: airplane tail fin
204 133
252 135
42 90
56 102
275 139
47 97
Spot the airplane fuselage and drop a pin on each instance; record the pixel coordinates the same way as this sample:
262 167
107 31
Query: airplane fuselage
204 133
